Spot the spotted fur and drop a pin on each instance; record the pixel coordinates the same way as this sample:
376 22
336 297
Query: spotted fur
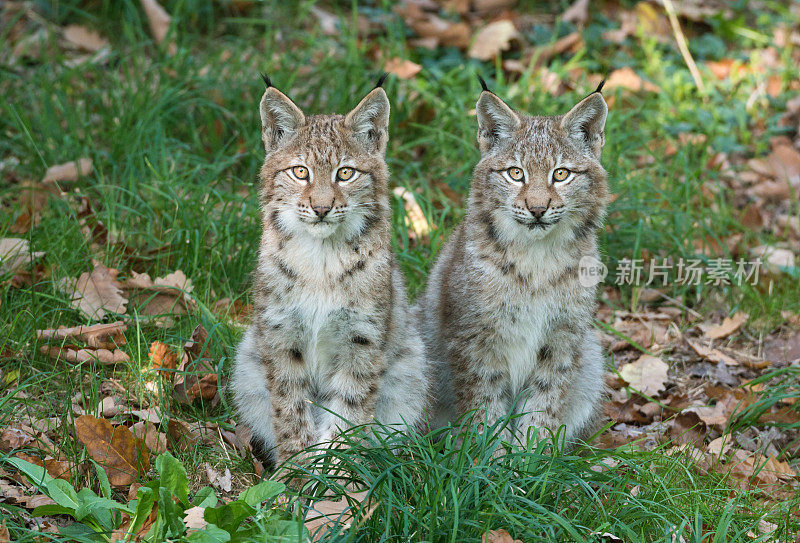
507 325
332 342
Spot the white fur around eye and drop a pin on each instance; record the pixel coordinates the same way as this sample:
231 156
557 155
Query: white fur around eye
510 179
289 172
356 175
570 176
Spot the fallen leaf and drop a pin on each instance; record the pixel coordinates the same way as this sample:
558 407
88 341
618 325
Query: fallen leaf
17 495
97 293
627 79
498 536
324 513
15 437
577 13
402 68
543 53
728 326
163 359
713 355
196 376
492 39
194 519
774 258
415 217
5 537
108 407
15 253
69 171
785 163
220 481
648 374
161 298
155 441
235 311
105 336
122 456
77 356
159 21
84 38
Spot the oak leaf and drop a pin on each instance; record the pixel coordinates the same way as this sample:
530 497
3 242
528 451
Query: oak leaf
122 456
402 68
105 336
492 39
15 254
648 374
728 326
97 293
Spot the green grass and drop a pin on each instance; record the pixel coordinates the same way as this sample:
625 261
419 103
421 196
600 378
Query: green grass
176 147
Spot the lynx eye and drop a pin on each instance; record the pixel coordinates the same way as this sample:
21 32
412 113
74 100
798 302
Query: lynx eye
559 174
300 172
516 173
345 174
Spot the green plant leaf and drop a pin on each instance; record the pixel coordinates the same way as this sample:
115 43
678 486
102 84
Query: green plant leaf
37 474
211 534
205 497
261 492
170 513
229 516
51 509
145 498
173 477
105 486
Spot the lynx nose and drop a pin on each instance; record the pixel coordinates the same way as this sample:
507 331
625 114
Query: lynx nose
321 211
538 211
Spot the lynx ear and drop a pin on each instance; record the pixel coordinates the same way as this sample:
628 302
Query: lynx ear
369 121
496 121
280 118
585 123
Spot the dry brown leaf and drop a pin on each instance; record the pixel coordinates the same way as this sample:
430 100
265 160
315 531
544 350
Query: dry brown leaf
492 39
84 38
785 162
97 293
648 374
774 258
155 441
235 311
159 21
324 513
77 356
713 355
18 496
402 68
123 456
16 437
161 298
194 519
434 30
163 359
15 254
543 53
5 537
498 536
105 336
627 79
728 326
69 171
415 217
108 407
196 376
577 13
59 469
220 481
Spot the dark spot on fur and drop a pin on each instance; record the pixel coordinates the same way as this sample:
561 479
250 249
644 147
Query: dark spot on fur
285 269
588 226
494 377
358 266
296 355
545 354
541 385
361 340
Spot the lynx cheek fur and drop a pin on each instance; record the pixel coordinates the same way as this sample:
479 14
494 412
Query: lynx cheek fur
332 328
505 320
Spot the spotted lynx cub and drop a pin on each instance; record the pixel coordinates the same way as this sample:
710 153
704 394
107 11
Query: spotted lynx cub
332 329
505 320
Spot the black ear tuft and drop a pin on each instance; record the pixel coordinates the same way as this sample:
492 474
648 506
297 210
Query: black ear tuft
600 87
381 80
483 84
265 77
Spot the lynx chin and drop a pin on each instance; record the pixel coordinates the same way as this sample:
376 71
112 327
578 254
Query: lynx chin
332 342
506 321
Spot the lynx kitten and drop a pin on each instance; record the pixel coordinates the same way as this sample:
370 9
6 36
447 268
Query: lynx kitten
505 320
332 330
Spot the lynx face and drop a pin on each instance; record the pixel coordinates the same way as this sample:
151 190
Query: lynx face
539 175
324 174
